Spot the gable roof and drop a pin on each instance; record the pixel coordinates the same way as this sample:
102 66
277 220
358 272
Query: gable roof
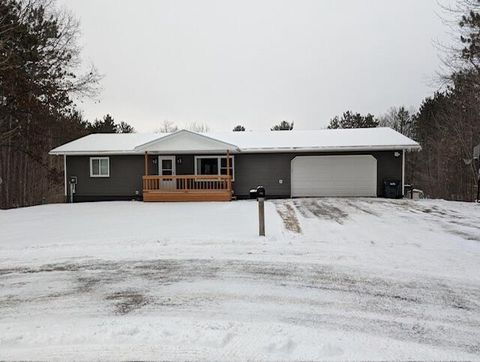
186 141
360 139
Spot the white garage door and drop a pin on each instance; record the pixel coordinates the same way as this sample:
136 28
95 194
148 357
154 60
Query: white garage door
354 175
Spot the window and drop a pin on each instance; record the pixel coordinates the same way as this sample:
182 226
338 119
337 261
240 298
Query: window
223 166
99 167
213 165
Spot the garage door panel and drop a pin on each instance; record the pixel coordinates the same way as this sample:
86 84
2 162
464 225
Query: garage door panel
354 175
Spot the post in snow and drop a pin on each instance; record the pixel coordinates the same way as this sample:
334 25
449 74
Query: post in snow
261 210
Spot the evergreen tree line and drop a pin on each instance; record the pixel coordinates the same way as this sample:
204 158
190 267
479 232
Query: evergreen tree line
447 126
39 80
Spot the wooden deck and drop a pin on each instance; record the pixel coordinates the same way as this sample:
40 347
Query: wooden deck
187 188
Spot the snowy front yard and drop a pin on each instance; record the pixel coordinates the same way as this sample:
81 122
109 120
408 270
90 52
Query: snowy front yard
335 279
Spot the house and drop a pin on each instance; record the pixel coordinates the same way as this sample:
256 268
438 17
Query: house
188 166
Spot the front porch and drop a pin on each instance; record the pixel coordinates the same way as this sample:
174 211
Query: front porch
187 188
173 178
186 166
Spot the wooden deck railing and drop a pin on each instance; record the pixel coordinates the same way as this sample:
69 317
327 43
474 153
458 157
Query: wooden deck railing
187 183
187 188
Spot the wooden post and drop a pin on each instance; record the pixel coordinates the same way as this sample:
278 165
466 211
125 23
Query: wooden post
72 192
229 180
261 216
146 163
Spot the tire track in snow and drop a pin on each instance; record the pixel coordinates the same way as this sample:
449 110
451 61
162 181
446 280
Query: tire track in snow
425 311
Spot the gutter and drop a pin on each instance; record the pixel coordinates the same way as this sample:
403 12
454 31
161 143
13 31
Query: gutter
333 149
137 153
409 148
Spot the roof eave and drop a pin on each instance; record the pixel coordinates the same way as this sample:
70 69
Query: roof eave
139 153
333 149
415 147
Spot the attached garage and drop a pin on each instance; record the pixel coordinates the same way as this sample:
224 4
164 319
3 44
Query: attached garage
349 175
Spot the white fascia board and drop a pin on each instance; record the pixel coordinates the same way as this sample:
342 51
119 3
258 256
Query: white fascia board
219 145
247 150
139 153
93 153
332 149
193 152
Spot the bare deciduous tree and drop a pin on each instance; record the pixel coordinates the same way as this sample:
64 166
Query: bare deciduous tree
167 127
200 127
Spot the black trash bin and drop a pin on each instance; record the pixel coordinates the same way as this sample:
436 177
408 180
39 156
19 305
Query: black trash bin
392 189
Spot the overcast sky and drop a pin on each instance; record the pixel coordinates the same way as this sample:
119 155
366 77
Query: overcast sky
257 62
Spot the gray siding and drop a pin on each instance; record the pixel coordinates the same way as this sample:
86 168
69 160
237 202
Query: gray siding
267 170
125 179
251 170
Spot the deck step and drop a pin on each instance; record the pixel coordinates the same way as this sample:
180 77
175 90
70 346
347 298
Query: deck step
186 196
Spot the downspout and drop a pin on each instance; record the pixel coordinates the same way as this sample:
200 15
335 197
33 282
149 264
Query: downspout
65 176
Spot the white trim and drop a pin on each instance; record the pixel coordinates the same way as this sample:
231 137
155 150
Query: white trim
174 164
99 159
250 150
331 149
403 173
65 175
219 162
223 145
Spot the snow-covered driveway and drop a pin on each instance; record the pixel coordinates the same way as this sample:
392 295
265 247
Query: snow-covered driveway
334 279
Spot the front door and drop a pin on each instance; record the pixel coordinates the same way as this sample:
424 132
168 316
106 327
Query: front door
166 167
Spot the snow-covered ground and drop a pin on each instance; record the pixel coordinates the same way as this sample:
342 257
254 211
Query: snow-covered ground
335 279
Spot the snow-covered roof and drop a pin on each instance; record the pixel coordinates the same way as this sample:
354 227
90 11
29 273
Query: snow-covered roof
323 140
105 143
360 139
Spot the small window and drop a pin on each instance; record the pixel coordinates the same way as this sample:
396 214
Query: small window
99 167
213 165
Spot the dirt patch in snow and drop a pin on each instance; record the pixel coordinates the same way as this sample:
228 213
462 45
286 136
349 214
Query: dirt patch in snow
127 301
318 208
87 284
289 217
362 207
